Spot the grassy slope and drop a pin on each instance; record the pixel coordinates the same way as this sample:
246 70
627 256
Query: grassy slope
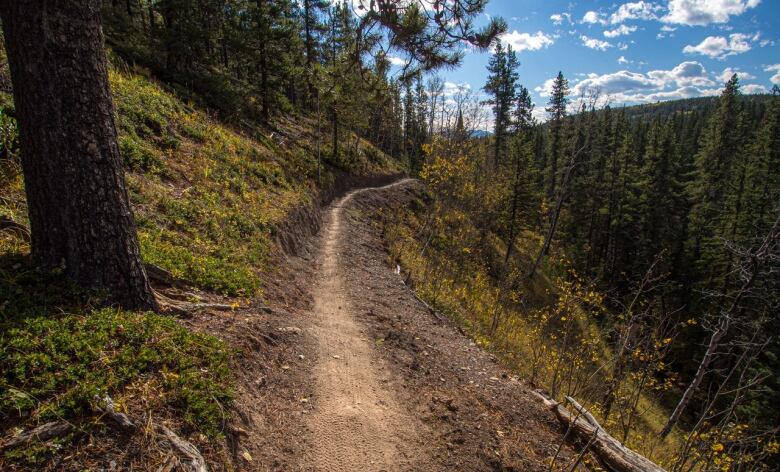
207 199
445 268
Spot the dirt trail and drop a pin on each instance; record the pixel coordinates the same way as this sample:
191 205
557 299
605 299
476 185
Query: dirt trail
356 424
345 370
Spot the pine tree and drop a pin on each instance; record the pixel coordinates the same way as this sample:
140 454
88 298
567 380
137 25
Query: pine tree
721 142
80 215
502 85
556 108
313 28
523 113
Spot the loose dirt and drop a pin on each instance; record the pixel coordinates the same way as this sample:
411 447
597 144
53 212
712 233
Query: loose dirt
343 369
357 424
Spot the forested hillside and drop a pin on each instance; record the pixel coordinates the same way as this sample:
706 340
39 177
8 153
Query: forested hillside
159 161
626 256
189 279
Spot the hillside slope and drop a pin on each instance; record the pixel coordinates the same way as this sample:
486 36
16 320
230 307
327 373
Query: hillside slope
218 209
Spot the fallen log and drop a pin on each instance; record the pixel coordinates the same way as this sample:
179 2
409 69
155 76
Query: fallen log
609 451
42 433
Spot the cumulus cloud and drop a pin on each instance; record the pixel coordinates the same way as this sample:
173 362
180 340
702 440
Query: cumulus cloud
594 43
593 17
527 42
718 47
635 11
620 31
754 88
617 82
725 76
688 79
704 12
545 89
559 18
689 73
623 60
775 79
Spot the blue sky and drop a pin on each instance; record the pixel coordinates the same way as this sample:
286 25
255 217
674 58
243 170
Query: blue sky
636 51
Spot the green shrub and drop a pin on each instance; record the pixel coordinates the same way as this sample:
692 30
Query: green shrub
58 356
139 155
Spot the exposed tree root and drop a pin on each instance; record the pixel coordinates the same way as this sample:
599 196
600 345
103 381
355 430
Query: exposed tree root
192 459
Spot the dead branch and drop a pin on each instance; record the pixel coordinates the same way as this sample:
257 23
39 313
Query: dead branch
42 433
192 457
109 408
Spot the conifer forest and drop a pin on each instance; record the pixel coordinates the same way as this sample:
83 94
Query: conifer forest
284 235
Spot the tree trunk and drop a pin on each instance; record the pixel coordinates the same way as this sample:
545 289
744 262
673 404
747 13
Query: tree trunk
262 39
308 19
335 150
264 93
555 215
80 217
755 263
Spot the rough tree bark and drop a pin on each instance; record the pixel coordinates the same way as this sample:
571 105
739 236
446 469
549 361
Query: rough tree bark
80 217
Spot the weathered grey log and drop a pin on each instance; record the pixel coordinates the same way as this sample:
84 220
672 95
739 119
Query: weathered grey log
192 458
109 408
42 433
610 452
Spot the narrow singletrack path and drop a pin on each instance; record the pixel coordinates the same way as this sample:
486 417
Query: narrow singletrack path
356 423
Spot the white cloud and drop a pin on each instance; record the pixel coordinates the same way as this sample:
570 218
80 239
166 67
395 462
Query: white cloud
688 79
559 18
635 11
620 31
450 88
623 60
704 12
396 61
527 42
594 43
718 47
725 76
754 88
593 17
683 75
668 29
545 89
617 82
775 79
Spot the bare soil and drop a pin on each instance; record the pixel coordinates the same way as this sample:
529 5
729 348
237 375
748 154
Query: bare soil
343 369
